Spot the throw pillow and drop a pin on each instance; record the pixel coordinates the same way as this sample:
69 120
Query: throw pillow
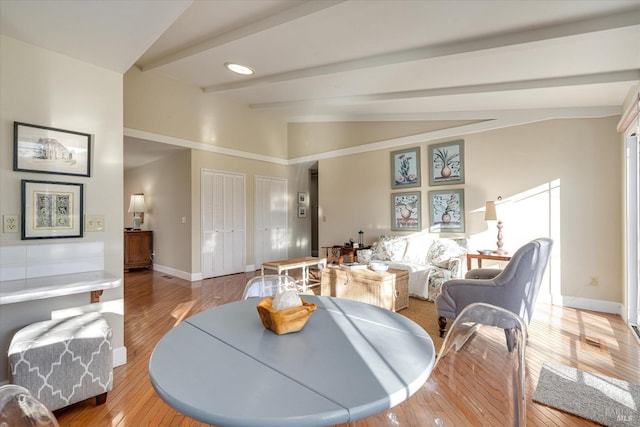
417 249
442 251
364 256
392 248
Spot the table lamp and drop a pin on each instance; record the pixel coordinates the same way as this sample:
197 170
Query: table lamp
136 205
490 214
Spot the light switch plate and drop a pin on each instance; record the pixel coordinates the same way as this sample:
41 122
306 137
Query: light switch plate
10 223
94 222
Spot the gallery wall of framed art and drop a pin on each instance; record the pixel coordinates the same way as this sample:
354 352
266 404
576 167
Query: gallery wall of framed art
445 167
51 209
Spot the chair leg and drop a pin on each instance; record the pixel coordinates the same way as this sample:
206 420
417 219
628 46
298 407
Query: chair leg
510 334
101 399
442 323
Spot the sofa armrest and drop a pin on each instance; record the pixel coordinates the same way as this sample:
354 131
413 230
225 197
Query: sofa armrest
482 273
454 266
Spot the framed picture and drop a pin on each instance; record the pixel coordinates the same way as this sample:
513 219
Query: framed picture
406 211
303 199
446 163
49 150
51 210
302 211
405 168
446 210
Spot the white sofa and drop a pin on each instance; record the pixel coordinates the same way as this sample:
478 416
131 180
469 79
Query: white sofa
430 260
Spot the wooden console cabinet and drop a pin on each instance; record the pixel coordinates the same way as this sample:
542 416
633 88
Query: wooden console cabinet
138 249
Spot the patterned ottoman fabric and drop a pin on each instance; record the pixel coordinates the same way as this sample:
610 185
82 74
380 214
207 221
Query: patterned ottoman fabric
64 361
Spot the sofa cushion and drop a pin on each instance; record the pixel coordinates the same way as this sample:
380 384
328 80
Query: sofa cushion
417 249
442 251
389 248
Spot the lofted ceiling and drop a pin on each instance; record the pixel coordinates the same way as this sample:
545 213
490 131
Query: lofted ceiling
333 60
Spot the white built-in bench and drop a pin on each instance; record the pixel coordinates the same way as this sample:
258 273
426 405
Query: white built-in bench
37 280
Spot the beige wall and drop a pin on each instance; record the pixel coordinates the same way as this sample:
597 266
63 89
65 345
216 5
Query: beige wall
164 106
559 178
44 88
313 138
166 184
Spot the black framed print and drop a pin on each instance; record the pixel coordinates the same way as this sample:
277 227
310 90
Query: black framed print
51 210
49 150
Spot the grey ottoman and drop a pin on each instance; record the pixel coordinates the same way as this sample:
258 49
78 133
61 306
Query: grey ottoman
64 361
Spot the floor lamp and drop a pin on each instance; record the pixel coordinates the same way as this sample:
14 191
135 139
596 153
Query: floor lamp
490 214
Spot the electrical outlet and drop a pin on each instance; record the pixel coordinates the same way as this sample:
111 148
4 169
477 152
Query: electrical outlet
94 222
10 223
593 281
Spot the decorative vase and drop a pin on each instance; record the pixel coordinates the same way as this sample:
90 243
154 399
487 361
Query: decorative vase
405 214
446 218
446 171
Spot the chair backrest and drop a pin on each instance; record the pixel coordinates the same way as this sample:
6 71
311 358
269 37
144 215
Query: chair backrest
270 285
19 408
478 379
522 277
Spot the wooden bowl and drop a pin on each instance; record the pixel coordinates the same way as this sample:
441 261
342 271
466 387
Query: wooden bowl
284 321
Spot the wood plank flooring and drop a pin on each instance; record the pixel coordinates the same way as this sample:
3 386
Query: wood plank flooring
155 302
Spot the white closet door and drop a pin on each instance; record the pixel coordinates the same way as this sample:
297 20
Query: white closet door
223 223
270 219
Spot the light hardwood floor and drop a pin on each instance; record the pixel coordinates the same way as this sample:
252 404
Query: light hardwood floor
155 302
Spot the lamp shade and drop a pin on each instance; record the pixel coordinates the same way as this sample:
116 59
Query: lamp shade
489 211
137 203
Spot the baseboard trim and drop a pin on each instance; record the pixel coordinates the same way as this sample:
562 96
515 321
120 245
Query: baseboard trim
119 356
191 277
173 272
587 304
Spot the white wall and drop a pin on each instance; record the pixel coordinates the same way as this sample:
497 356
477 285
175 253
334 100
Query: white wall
44 88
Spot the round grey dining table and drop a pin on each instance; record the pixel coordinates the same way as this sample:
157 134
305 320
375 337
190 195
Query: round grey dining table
350 361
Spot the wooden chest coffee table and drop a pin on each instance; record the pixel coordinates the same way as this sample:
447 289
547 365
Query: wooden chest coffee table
389 290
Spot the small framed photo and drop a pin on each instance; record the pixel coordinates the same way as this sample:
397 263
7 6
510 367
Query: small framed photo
405 168
302 211
49 150
51 210
406 211
303 199
446 163
446 210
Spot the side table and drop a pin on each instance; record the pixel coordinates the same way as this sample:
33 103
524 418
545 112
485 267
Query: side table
480 257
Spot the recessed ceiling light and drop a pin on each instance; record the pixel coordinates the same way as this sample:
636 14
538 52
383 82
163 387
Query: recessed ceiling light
240 69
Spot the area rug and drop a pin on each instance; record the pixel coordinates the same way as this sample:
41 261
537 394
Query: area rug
424 314
605 400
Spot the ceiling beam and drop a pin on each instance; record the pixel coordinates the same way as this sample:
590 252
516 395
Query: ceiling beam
578 80
603 23
288 15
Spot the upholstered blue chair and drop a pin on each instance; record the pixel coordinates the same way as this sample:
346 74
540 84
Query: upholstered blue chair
515 288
